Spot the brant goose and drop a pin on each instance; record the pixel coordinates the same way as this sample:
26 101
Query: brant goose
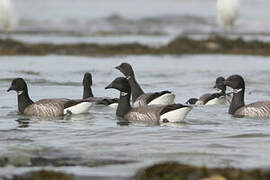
151 113
88 94
46 107
215 98
238 108
139 98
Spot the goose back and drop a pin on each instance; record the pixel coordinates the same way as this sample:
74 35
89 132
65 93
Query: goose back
56 107
202 99
147 113
163 97
259 109
216 98
159 113
46 108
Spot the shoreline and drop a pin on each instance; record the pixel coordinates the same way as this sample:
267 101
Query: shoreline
169 170
179 46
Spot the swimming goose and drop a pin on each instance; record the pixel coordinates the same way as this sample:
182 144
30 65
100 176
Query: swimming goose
151 113
46 107
139 98
215 98
238 108
88 94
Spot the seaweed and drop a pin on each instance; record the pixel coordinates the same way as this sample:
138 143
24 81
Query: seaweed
179 46
176 171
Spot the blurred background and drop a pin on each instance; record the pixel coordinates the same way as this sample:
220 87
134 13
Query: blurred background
152 22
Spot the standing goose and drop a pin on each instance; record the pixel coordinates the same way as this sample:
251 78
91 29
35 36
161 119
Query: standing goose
139 98
88 94
215 98
153 113
238 108
46 107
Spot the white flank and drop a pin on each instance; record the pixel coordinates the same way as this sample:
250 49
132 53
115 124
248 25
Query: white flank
177 115
7 17
199 102
79 108
220 100
165 99
227 12
114 105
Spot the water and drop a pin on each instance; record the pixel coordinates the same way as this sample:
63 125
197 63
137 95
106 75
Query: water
151 22
96 145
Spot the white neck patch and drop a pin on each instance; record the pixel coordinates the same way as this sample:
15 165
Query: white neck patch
129 77
123 93
19 92
235 91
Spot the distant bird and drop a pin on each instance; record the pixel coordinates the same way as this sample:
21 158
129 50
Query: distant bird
228 11
7 16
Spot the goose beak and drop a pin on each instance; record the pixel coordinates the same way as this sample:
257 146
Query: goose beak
9 89
118 67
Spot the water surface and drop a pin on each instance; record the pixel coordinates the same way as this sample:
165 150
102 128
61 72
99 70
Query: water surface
95 144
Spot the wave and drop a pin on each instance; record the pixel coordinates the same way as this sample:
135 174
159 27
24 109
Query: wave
249 135
110 25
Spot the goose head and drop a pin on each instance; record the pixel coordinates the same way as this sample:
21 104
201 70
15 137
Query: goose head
220 84
18 85
236 82
120 84
126 69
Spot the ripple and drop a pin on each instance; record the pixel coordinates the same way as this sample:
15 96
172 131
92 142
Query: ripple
250 135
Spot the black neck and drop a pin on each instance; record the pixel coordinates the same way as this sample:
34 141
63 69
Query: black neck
223 92
87 92
24 101
237 101
123 105
136 90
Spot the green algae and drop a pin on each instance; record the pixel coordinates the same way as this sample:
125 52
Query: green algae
176 171
179 46
165 171
44 175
